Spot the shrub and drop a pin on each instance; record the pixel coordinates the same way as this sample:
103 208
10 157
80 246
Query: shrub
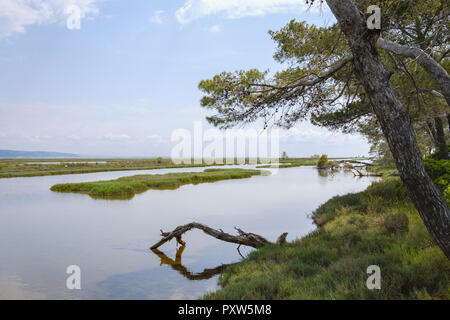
395 223
323 161
447 195
439 171
437 168
435 154
159 160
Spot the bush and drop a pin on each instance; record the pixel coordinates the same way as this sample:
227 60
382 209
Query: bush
447 195
323 161
395 223
435 154
439 171
159 160
437 168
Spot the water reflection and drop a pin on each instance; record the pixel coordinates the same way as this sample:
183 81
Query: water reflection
177 266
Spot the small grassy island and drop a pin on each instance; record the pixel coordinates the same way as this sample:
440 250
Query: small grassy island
127 187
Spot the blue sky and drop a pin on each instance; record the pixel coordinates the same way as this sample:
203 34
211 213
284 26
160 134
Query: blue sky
123 82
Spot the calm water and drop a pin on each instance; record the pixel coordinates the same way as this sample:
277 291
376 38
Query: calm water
42 233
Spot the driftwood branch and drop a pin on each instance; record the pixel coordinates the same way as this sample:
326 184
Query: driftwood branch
243 238
365 164
367 174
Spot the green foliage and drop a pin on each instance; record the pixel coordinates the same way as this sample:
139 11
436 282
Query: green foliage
374 227
435 154
447 195
347 119
395 222
300 43
323 161
439 171
127 187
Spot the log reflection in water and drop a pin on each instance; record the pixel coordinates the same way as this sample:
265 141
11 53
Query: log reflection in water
176 265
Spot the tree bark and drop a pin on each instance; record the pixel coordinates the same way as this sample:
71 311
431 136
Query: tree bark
432 133
440 139
393 120
428 63
448 120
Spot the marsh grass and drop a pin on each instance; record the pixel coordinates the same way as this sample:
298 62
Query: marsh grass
379 226
127 187
291 163
29 168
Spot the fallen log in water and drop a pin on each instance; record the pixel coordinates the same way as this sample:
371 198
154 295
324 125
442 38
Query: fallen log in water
368 174
365 164
243 238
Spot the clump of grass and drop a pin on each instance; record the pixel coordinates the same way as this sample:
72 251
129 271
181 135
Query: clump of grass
127 187
396 222
379 226
348 166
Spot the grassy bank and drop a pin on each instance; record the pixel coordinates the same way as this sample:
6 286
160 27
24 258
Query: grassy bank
292 163
127 187
379 226
13 168
300 162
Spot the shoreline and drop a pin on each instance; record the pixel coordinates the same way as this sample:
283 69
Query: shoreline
379 226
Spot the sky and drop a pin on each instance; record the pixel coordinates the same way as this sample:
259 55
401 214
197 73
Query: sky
121 81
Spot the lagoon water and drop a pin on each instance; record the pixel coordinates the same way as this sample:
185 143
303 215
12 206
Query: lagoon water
42 232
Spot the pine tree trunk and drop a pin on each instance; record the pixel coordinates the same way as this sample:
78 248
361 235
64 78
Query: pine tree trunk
448 120
432 133
440 139
393 120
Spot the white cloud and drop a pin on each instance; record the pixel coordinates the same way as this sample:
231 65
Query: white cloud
215 28
16 15
157 17
155 138
234 9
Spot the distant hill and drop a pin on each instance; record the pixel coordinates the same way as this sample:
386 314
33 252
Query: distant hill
35 154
